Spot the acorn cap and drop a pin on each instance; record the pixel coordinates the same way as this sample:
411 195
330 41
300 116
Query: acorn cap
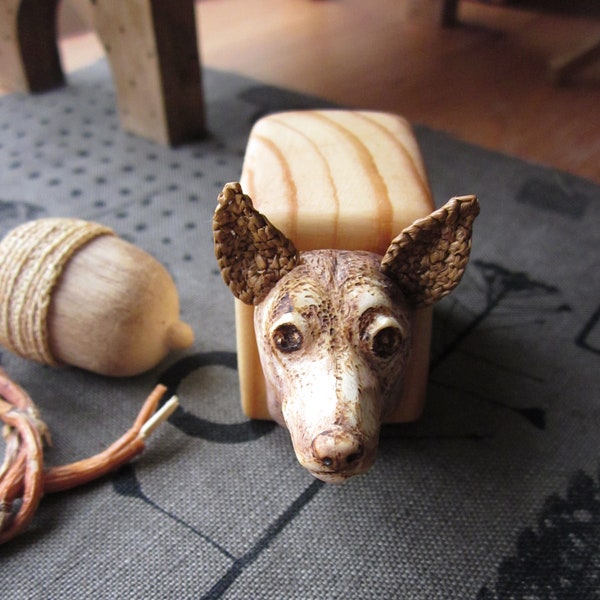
32 259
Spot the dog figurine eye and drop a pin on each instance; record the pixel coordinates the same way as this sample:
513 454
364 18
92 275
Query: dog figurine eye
287 338
386 342
384 336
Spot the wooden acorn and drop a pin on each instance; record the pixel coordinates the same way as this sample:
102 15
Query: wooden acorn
72 292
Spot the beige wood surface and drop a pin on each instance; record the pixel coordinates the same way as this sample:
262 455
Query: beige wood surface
115 310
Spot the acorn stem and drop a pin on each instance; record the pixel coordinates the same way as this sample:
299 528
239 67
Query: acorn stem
180 336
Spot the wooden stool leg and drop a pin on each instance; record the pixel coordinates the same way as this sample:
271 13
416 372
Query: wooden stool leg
29 59
153 52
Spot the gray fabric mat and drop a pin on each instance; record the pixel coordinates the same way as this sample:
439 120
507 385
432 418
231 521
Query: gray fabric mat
494 494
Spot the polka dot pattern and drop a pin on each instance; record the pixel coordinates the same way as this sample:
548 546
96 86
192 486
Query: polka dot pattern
65 154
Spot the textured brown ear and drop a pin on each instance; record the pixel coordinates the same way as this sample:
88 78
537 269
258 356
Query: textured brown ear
253 254
429 257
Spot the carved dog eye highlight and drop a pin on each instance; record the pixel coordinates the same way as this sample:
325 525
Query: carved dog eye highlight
384 336
386 342
287 338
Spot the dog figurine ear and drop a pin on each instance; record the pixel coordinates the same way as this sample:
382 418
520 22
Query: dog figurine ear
429 257
253 255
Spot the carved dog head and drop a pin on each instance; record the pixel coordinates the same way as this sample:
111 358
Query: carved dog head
333 327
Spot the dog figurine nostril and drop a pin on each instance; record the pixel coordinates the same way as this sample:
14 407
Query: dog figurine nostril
337 455
337 450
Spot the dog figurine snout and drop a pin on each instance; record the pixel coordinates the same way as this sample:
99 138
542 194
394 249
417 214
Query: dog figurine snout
337 451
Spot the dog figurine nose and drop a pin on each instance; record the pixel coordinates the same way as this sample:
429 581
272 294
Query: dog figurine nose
337 450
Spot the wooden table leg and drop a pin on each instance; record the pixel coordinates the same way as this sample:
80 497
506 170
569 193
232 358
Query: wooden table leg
153 52
29 58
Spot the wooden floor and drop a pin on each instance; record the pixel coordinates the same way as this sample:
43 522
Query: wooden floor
485 81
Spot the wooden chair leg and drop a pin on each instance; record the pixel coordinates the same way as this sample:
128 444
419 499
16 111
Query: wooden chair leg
153 52
29 58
